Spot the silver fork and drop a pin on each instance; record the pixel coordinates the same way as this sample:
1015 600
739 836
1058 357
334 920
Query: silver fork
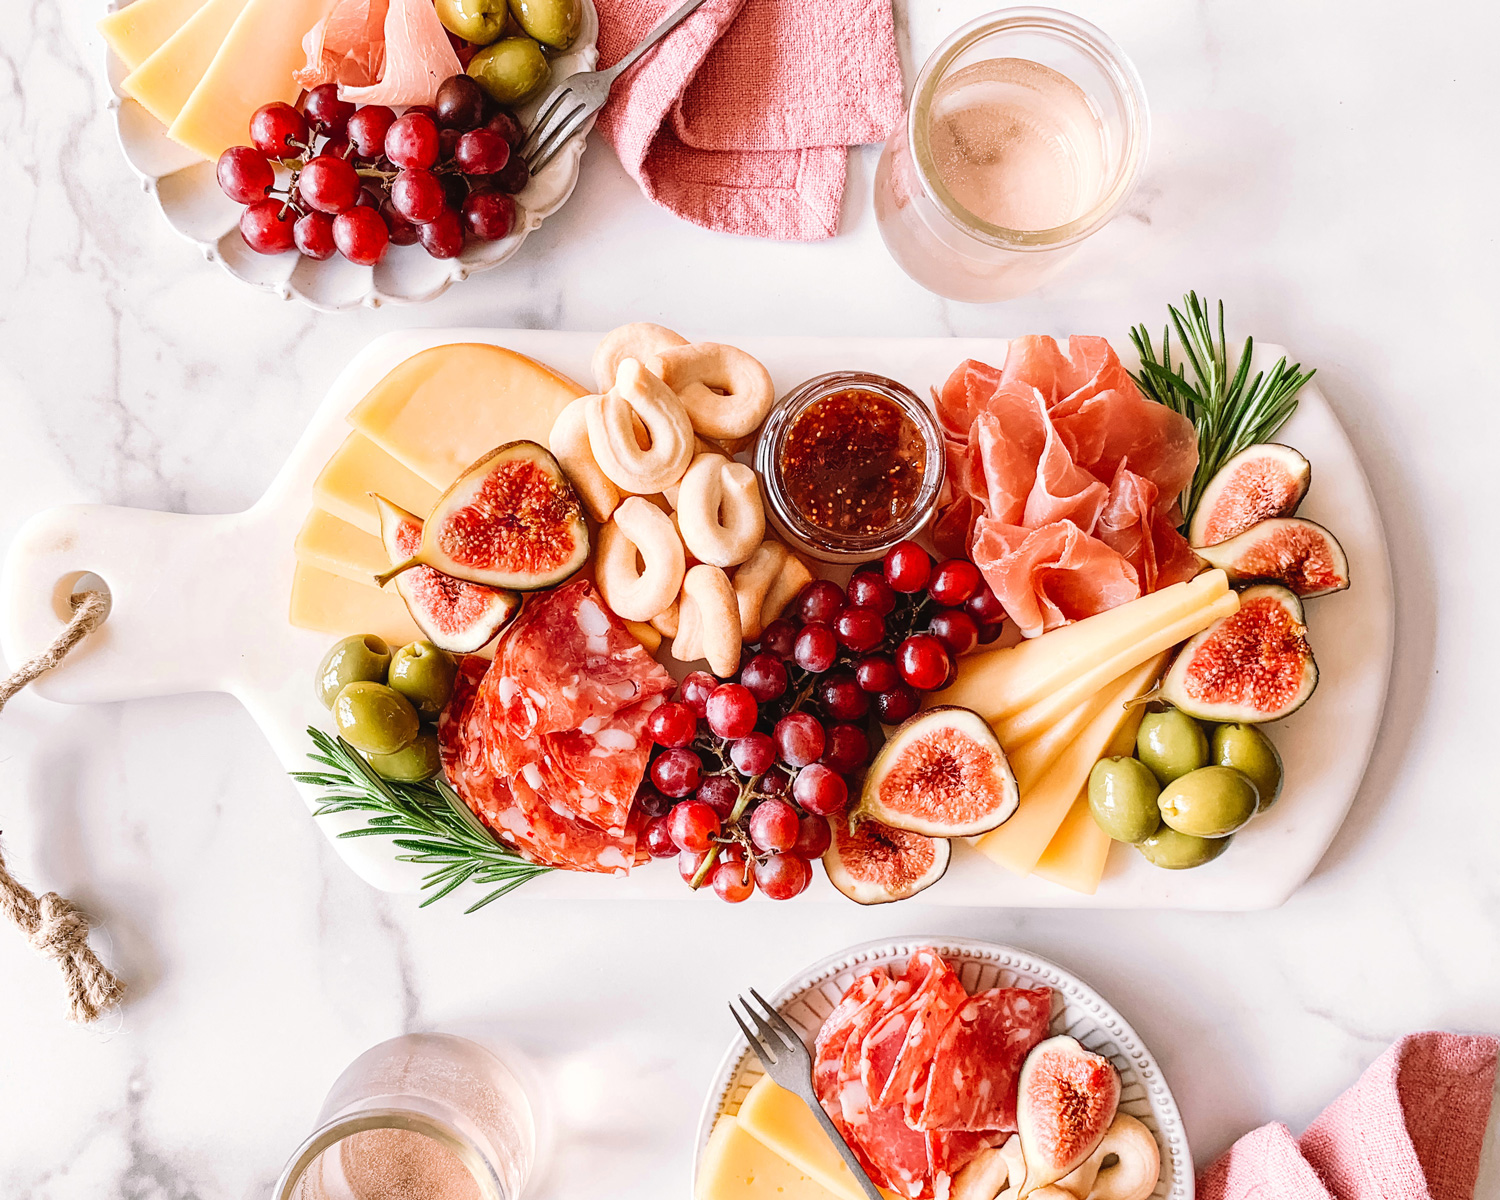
787 1061
580 96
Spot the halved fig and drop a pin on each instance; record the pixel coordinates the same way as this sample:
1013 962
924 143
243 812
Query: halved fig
1268 480
872 863
1253 666
1298 554
942 773
1066 1100
456 616
512 520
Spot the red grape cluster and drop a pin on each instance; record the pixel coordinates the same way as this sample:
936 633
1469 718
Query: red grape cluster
745 802
436 174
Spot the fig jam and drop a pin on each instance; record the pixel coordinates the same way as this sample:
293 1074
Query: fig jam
852 463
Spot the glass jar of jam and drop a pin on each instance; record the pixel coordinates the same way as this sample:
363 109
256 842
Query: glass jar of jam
851 463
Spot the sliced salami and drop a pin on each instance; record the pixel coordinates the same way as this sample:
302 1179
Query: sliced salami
897 1051
977 1061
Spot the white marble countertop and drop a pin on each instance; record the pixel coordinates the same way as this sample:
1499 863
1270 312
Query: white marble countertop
1325 168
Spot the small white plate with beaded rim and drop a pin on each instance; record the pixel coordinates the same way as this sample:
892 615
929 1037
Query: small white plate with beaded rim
187 191
1077 1010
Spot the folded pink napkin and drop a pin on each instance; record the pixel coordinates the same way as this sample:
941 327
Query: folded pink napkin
1410 1129
741 117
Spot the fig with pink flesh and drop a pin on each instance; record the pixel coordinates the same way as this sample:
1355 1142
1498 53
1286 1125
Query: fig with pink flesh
873 863
458 617
512 520
941 773
1298 554
1255 665
1066 1101
1266 480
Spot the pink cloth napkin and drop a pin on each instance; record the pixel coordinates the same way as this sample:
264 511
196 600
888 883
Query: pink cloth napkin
741 117
1410 1129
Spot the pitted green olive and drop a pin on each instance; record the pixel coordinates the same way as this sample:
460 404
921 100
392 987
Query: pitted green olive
554 23
478 21
1175 851
374 718
1122 797
424 675
361 657
1171 743
1247 749
410 764
1211 802
510 70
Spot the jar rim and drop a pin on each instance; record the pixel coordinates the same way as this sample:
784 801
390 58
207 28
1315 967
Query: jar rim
1117 67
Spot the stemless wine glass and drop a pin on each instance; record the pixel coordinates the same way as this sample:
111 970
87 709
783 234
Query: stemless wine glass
425 1114
1026 132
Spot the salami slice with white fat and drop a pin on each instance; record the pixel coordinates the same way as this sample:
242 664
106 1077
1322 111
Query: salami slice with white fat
896 1052
977 1062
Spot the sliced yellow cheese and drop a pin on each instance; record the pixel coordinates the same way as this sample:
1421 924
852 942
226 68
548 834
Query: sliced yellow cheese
780 1120
1076 855
165 80
1029 722
1000 683
330 604
735 1166
1031 759
359 467
1018 844
340 549
253 67
135 31
447 407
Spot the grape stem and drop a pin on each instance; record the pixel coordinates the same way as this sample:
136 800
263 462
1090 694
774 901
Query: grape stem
747 792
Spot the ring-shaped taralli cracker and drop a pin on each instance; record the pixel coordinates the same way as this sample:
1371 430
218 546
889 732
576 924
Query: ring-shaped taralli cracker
719 511
569 443
752 583
639 528
708 620
641 471
726 392
640 340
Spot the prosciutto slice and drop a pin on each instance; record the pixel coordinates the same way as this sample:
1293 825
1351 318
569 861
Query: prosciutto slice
418 57
347 46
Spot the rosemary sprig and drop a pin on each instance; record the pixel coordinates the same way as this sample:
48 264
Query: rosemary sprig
427 820
1229 411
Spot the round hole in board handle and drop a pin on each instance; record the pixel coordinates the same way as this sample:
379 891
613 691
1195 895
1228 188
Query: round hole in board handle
73 584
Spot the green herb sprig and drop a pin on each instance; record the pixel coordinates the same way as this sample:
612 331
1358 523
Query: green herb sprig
427 820
1230 411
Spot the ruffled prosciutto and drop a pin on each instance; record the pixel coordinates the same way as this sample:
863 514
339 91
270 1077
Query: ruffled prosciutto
1064 481
392 52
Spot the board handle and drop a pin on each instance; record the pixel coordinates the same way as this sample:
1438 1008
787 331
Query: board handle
174 623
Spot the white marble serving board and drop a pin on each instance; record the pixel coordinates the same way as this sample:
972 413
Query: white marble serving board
200 604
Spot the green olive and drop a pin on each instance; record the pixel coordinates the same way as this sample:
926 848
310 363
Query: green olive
1175 851
1247 749
424 675
1122 797
477 21
374 718
510 70
554 23
1211 802
410 764
363 656
1171 743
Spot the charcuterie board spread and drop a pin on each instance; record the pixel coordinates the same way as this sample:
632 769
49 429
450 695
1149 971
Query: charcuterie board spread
768 612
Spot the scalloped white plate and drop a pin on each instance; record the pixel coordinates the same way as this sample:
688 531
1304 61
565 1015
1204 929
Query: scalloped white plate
188 194
1077 1009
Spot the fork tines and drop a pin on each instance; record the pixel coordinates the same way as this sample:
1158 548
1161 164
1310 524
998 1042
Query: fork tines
774 1041
557 121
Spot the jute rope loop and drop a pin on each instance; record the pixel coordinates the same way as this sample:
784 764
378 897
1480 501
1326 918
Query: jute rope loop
50 922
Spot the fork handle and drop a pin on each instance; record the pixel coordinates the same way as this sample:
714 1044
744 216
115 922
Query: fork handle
837 1138
668 24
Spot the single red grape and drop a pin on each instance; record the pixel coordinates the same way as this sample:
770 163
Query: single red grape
954 581
876 673
783 876
820 601
422 110
773 826
907 567
847 750
505 124
412 140
695 691
245 174
720 793
753 754
367 128
672 724
461 103
418 196
765 676
990 631
868 589
813 837
799 739
731 711
447 144
512 177
775 783
955 629
361 236
313 234
278 130
443 236
337 147
820 790
489 215
403 232
689 862
815 648
329 184
267 226
650 801
481 152
657 837
325 111
859 629
923 661
693 825
370 198
842 698
734 882
984 606
897 704
677 772
778 638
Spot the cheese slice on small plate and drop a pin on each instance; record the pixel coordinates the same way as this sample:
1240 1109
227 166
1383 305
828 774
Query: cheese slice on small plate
136 31
163 83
